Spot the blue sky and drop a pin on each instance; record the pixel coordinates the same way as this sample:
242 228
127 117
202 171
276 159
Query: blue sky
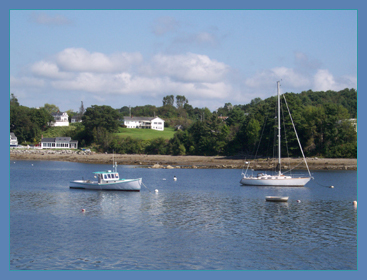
136 57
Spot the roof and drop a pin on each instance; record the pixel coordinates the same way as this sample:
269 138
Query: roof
12 135
102 172
58 114
58 139
141 118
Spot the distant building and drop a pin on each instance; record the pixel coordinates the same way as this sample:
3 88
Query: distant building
59 143
13 140
354 123
60 119
144 122
76 119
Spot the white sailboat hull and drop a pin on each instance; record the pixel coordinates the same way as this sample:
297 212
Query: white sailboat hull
118 185
275 181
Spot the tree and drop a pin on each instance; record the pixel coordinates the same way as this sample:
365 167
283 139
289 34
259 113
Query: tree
13 100
100 117
168 100
181 101
51 108
40 117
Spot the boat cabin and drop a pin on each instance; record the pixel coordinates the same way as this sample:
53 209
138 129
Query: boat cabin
105 177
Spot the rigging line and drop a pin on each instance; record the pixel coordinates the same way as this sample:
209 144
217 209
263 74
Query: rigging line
299 143
285 137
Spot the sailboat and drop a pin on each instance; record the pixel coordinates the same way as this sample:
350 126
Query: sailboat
277 180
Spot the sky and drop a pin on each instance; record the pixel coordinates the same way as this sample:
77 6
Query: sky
212 57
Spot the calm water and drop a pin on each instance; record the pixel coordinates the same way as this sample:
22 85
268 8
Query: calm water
204 221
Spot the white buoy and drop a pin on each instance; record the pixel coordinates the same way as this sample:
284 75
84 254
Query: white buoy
164 179
355 203
83 210
298 201
331 187
156 190
32 164
174 178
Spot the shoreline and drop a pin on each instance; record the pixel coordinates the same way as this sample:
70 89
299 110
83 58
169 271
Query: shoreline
171 162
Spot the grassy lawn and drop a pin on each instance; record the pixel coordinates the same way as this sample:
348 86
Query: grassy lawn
146 134
58 131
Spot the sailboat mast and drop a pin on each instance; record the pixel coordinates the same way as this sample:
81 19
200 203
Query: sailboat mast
279 144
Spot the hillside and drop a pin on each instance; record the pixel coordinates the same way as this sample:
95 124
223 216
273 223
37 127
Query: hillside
146 134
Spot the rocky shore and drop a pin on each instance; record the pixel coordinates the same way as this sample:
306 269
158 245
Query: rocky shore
170 162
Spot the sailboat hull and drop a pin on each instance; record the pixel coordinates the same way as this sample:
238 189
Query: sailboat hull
275 182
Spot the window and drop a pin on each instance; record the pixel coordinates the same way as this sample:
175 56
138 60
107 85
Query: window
113 176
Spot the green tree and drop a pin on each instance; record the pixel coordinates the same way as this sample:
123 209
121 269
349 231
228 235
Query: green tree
97 117
168 100
181 101
51 108
40 117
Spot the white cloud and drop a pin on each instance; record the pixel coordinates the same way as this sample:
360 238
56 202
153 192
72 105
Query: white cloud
189 68
324 80
80 60
48 70
268 78
203 80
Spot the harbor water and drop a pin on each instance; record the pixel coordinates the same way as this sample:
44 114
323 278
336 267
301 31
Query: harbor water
203 221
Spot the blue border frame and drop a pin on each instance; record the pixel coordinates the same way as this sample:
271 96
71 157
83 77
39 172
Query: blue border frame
162 4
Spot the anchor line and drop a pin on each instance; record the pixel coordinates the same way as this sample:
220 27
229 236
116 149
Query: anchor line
319 183
145 186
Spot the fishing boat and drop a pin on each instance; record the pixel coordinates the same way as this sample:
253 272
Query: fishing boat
109 181
277 180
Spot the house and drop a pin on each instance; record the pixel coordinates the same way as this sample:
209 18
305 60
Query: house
13 140
61 119
179 127
155 123
354 123
59 143
76 119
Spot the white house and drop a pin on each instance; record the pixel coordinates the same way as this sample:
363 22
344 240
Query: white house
155 123
76 119
59 143
61 119
13 140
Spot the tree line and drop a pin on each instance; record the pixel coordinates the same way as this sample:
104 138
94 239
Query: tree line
321 119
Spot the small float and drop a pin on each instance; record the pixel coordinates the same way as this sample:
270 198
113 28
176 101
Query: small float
276 198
